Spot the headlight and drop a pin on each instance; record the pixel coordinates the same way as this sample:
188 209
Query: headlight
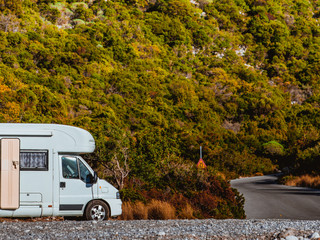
118 195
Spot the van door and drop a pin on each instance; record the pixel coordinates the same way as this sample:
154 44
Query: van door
75 187
10 173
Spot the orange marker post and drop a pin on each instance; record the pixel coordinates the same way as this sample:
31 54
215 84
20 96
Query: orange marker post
201 164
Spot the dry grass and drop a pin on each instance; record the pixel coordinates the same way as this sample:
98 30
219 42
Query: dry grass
258 174
140 211
127 211
305 181
186 212
156 209
161 210
132 211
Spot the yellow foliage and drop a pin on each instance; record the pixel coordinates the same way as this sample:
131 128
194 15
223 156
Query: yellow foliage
145 51
12 113
4 88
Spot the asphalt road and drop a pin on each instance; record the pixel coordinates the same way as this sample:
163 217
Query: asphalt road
265 199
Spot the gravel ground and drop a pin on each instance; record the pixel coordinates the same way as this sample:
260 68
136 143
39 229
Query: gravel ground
153 229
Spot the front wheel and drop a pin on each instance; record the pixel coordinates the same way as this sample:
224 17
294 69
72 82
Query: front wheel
97 210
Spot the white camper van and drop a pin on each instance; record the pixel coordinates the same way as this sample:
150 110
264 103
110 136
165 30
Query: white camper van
43 174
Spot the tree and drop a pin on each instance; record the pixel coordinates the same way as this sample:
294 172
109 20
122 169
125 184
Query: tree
9 23
13 5
118 166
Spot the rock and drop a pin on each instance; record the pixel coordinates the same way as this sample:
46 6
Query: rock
291 237
286 233
315 236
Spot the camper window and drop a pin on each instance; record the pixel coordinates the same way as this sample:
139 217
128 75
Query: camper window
34 160
70 167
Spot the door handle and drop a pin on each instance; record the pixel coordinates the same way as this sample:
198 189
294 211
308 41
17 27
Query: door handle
62 184
15 164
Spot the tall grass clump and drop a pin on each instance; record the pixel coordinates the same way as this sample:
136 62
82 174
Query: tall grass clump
160 210
187 212
131 211
304 181
127 211
140 211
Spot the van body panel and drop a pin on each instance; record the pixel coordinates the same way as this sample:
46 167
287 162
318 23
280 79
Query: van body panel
107 191
37 189
30 197
62 138
27 211
116 210
6 213
9 174
26 133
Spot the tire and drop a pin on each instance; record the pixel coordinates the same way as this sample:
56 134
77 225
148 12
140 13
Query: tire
97 210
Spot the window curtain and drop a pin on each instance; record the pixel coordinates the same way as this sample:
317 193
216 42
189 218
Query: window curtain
33 159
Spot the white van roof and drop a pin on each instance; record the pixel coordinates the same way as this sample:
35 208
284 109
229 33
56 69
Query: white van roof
61 138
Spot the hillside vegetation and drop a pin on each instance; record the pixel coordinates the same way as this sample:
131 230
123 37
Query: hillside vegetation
153 80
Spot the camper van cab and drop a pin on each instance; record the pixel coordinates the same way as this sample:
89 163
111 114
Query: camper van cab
43 174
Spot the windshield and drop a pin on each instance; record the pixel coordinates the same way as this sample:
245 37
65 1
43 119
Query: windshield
84 172
70 167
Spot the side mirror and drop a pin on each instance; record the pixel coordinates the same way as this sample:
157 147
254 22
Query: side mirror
94 178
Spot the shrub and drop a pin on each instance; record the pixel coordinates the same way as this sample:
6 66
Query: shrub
273 148
82 12
302 181
160 210
130 194
140 211
187 212
51 14
127 211
131 211
207 202
183 207
288 180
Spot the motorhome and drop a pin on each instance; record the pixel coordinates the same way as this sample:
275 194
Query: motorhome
43 174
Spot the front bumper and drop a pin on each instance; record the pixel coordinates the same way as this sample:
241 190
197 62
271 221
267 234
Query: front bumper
115 207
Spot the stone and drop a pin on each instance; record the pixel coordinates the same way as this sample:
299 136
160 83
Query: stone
291 237
286 233
315 236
